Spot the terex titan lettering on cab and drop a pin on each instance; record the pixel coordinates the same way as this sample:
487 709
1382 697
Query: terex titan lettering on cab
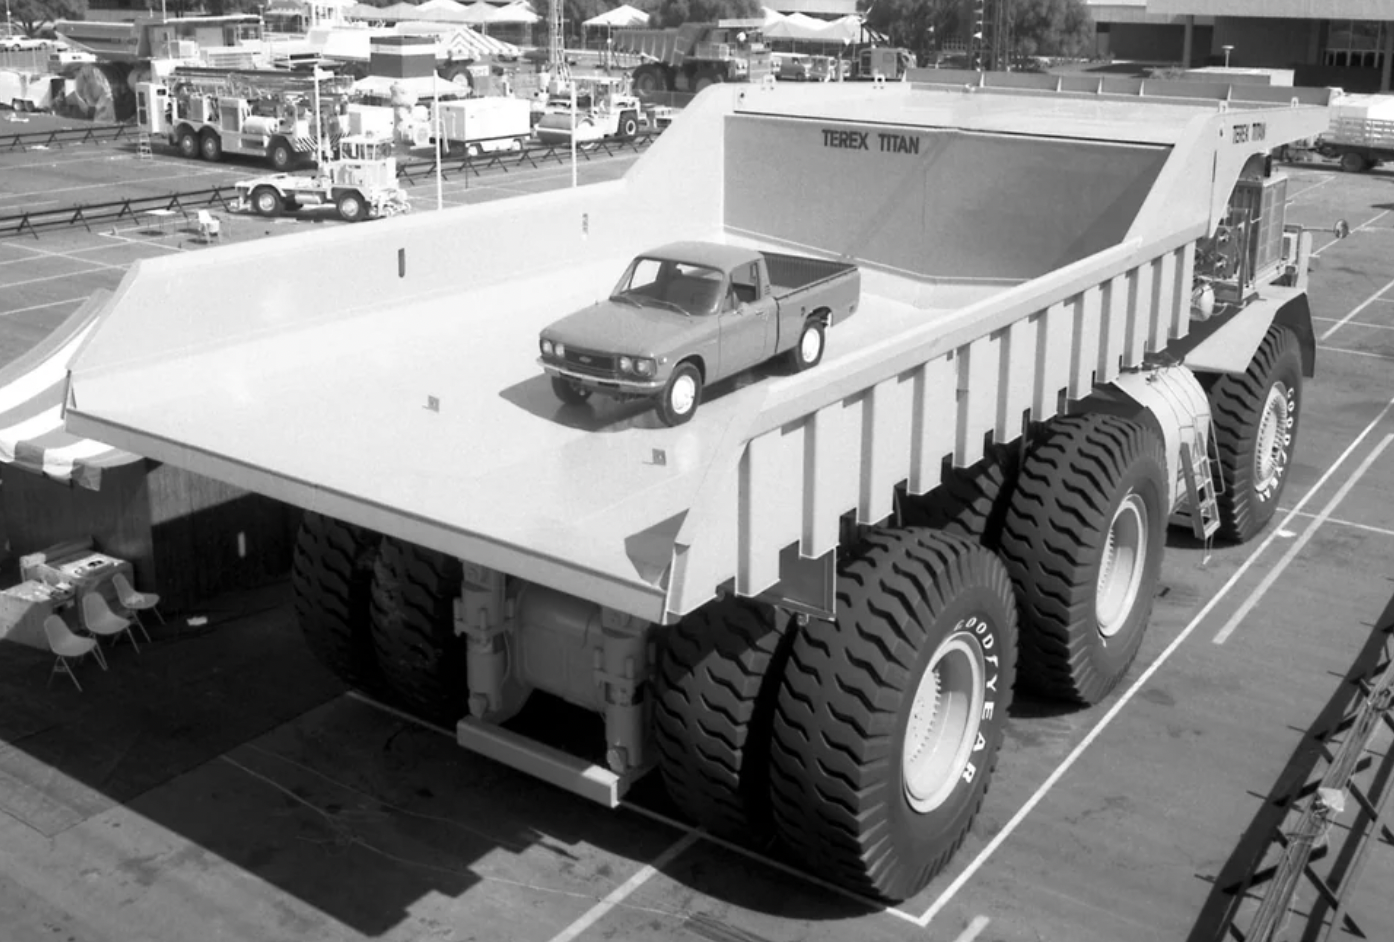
883 141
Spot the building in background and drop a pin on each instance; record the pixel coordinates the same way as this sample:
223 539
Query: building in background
1346 43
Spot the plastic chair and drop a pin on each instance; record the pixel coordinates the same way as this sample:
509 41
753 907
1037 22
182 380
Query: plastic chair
98 618
136 602
209 226
66 645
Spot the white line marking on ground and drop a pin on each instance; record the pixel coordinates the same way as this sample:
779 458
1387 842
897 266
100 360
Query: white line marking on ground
99 270
1356 353
625 889
1383 531
39 307
1315 186
1356 310
63 255
1000 838
1381 301
1332 320
1262 588
974 929
1358 228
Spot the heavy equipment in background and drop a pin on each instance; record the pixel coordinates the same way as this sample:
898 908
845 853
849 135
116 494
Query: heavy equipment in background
604 109
690 57
275 115
148 49
808 607
1361 135
360 183
887 62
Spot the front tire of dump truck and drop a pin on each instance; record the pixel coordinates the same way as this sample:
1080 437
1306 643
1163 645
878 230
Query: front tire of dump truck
413 629
649 79
682 395
332 579
1083 540
888 724
1256 418
718 678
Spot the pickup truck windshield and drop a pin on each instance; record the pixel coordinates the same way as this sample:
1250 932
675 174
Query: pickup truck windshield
679 286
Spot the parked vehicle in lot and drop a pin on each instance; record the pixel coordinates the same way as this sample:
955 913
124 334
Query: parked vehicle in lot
808 606
604 109
691 314
361 183
23 44
1361 135
791 66
692 56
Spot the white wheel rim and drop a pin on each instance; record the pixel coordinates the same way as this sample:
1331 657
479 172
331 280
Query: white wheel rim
684 394
945 717
1120 570
1270 447
265 203
811 345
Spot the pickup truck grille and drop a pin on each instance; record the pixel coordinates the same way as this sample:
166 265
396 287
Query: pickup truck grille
584 361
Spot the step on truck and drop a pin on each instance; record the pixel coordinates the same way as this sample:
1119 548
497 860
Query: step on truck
1082 319
691 314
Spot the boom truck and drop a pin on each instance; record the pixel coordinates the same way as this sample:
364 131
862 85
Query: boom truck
263 113
690 57
1082 318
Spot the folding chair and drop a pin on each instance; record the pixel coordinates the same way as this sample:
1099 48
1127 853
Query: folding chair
136 602
209 226
66 645
98 618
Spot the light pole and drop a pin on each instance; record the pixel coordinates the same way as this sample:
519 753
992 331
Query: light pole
1228 50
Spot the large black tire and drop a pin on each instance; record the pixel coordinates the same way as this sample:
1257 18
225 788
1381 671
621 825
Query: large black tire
650 78
926 631
1256 419
705 77
808 352
1090 500
1352 162
718 678
281 155
210 146
413 628
970 502
266 201
629 125
352 207
332 578
187 141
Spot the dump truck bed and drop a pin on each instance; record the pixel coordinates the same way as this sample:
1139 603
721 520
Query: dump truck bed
386 376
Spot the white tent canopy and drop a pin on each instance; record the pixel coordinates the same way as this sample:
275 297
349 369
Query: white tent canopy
620 17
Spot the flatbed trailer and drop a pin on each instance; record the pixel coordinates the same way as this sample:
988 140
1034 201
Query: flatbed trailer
1082 317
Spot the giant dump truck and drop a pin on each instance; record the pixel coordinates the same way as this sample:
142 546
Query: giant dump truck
1082 319
690 57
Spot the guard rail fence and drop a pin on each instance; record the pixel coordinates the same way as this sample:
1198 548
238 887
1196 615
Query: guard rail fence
132 208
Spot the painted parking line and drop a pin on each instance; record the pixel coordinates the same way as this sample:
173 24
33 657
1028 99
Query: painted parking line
626 889
1356 353
40 307
1332 320
1336 521
1054 778
1363 226
975 929
1356 310
1273 575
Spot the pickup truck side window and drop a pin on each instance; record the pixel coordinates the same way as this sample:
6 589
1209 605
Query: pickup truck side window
745 283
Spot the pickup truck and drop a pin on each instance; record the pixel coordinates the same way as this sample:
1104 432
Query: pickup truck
689 314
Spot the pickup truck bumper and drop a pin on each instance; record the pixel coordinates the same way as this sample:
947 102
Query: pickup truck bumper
625 387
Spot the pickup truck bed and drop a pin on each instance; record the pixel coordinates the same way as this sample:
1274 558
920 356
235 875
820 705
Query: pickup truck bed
790 273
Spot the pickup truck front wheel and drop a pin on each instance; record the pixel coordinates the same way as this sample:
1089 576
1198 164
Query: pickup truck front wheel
681 396
809 351
568 392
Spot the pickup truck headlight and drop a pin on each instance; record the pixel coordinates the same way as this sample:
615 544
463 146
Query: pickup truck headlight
546 347
644 366
559 349
626 365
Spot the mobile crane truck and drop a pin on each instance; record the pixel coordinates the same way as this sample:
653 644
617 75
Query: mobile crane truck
1080 314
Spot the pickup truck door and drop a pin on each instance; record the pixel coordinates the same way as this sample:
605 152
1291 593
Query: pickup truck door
749 328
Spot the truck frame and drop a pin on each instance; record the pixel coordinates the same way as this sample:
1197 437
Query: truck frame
1082 319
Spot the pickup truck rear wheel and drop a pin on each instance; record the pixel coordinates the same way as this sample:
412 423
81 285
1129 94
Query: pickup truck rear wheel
718 678
332 578
266 201
682 395
808 352
413 627
1083 541
888 723
569 392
